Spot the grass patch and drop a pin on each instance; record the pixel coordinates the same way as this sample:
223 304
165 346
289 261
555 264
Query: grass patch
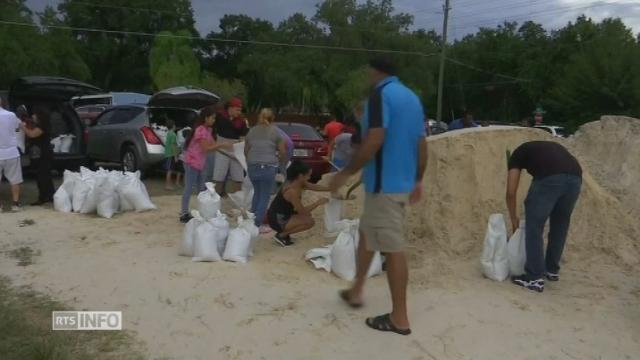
25 332
24 255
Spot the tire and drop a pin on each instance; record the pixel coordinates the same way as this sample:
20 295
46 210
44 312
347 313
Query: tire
129 159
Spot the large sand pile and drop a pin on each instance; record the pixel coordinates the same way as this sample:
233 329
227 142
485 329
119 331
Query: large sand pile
465 183
610 149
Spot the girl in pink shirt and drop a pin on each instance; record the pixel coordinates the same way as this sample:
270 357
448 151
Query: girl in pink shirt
197 145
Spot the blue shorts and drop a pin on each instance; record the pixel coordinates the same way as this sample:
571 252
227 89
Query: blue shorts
170 164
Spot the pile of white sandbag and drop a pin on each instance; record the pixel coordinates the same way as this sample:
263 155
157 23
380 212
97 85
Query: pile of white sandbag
103 192
500 259
206 240
340 258
62 143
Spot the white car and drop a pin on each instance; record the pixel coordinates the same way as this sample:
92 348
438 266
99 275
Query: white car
556 131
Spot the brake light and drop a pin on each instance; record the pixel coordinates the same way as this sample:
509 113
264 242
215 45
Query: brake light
150 136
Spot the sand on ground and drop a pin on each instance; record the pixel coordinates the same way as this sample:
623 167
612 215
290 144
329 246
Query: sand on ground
279 307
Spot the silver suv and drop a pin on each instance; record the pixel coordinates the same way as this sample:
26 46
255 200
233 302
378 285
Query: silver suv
133 135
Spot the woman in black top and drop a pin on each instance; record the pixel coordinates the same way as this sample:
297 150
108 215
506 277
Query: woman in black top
40 133
287 215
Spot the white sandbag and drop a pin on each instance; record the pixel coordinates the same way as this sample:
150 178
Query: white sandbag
209 202
494 260
333 213
238 244
62 200
344 254
189 234
180 138
81 189
375 268
250 225
221 226
108 199
57 143
243 198
90 204
320 258
205 247
63 197
135 193
65 143
517 251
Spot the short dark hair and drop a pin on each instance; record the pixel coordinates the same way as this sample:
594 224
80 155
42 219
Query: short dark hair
297 168
383 65
170 124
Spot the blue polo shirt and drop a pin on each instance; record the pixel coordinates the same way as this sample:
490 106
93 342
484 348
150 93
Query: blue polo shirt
458 124
397 109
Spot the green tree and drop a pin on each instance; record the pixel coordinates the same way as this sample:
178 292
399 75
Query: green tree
225 88
172 61
121 61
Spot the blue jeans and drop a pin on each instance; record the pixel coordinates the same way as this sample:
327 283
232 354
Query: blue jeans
552 198
193 178
209 165
263 178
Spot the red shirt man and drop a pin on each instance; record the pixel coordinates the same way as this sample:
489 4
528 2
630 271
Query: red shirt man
333 129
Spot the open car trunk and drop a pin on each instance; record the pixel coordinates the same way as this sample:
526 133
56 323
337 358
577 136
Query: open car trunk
183 119
54 94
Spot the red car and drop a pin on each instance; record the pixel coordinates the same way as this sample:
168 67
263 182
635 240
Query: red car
309 147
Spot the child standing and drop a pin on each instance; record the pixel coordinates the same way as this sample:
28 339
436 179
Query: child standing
171 157
196 147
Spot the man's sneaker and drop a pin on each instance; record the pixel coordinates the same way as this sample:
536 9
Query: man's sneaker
16 207
535 285
552 276
185 218
283 241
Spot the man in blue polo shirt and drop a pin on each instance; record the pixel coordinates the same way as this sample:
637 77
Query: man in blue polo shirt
393 156
464 123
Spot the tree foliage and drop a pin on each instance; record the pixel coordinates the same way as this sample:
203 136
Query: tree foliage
577 73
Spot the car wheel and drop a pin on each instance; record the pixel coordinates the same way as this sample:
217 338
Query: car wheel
129 160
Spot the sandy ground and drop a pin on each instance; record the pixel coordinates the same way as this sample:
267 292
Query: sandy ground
279 307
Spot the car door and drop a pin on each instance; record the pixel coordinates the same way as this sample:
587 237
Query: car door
98 144
118 129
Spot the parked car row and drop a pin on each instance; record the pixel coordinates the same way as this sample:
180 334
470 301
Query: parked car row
128 128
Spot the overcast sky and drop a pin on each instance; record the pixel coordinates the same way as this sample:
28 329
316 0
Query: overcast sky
466 15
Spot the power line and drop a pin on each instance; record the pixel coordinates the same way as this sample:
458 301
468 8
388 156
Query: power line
213 39
534 14
509 77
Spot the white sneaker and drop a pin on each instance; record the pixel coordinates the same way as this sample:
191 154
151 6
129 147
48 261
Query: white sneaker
16 207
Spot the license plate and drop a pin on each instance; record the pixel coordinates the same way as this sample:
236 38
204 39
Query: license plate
300 152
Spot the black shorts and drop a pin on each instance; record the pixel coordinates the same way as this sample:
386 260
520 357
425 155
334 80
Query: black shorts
278 222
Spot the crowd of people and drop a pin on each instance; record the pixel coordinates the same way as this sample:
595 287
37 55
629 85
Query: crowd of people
384 139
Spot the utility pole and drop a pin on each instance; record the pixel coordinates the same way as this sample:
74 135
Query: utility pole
443 58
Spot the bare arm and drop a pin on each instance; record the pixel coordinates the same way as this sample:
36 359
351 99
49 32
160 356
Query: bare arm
316 187
369 148
513 181
214 145
294 197
31 133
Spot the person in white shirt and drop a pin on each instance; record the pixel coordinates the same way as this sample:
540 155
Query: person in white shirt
10 166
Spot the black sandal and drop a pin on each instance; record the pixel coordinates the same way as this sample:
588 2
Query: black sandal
383 323
344 295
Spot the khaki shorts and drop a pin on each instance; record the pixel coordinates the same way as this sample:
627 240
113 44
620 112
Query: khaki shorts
12 170
225 166
383 222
